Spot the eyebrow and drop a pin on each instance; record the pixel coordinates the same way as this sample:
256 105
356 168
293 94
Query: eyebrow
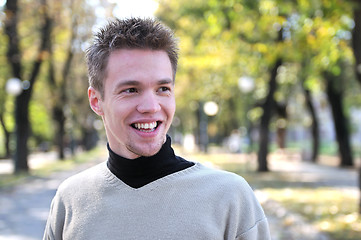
165 81
137 83
128 83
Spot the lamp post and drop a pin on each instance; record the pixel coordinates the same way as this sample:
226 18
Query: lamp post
246 86
207 110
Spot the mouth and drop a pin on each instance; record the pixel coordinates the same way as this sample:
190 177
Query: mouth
146 127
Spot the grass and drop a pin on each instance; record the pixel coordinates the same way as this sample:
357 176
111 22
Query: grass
331 210
69 163
9 180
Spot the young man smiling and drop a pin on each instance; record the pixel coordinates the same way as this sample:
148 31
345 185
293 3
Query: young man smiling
138 104
145 191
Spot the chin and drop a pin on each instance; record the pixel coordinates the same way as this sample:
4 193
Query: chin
146 150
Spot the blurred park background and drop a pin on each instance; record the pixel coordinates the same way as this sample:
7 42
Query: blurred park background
265 88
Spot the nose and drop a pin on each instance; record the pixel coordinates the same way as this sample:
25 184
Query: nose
149 103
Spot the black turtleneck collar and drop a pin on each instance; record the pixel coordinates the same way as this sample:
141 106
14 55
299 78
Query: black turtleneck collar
143 170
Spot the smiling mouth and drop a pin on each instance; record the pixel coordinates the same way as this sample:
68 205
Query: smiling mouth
146 127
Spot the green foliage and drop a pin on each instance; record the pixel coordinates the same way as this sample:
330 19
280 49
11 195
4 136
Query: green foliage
9 106
44 97
42 129
221 41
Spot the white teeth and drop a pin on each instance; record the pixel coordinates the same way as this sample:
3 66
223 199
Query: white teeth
146 126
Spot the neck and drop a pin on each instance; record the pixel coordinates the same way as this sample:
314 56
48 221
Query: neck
143 170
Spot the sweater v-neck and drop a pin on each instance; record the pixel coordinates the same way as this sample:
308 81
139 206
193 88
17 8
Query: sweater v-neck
141 171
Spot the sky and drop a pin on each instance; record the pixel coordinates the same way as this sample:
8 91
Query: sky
126 8
134 8
123 9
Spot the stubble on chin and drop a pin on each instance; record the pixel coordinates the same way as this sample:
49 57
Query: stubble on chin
146 151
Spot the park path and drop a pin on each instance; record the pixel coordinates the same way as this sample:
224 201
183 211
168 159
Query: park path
286 225
24 208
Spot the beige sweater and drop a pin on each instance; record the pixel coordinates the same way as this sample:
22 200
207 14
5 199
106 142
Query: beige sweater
195 203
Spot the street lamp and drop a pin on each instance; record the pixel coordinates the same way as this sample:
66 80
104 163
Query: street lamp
246 85
14 86
210 109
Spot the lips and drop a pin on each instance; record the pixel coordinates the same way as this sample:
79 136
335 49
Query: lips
146 127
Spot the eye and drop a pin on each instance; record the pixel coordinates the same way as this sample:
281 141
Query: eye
164 89
130 90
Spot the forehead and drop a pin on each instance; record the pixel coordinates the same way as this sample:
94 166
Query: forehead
137 64
137 57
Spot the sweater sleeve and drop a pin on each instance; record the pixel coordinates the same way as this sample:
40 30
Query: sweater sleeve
247 215
55 223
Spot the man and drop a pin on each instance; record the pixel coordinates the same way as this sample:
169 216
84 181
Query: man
144 191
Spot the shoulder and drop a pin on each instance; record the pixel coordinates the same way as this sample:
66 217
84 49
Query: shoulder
83 180
219 183
220 176
245 211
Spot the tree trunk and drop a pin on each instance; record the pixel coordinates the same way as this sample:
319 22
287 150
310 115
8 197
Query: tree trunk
14 58
202 126
59 117
281 124
89 138
356 39
22 132
340 121
7 137
359 185
58 112
268 107
59 91
11 30
356 44
314 125
22 101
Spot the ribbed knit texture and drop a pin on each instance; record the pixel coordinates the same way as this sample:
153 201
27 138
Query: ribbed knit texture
196 203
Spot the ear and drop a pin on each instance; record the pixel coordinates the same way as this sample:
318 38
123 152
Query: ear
95 101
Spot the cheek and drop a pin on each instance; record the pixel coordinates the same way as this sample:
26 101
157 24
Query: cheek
171 108
112 113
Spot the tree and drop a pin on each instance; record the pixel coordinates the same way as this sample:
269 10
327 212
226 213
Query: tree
335 97
356 38
314 125
314 41
4 127
268 108
14 58
356 45
59 83
4 98
335 56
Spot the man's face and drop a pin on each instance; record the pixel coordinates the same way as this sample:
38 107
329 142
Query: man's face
138 103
